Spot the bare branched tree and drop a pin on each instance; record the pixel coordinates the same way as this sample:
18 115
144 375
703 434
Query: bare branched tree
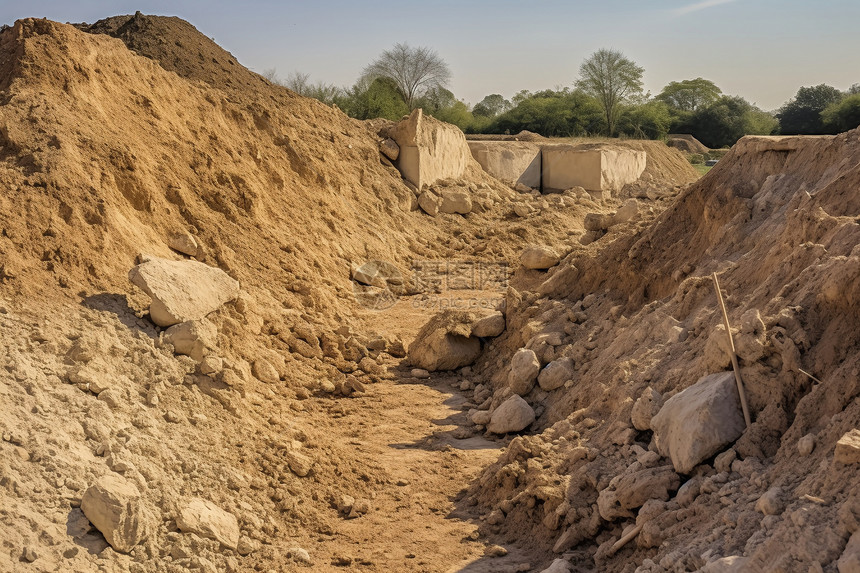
613 80
413 70
299 82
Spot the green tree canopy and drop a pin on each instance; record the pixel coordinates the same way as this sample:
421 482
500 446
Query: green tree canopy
491 106
689 95
369 99
842 116
414 71
723 122
802 114
613 80
646 121
552 113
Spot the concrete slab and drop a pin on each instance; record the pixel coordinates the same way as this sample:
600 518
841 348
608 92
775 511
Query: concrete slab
599 170
509 161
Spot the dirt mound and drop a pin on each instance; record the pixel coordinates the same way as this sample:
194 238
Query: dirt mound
777 219
686 143
179 47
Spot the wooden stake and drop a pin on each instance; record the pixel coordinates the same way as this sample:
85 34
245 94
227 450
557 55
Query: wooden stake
735 366
625 540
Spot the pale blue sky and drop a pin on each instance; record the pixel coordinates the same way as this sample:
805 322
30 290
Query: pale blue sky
762 50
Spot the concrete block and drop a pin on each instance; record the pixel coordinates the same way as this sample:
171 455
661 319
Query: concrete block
599 170
512 162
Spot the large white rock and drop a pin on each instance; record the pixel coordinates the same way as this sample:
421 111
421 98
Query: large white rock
182 290
208 520
430 203
539 258
513 415
445 342
192 338
525 367
430 150
848 448
699 422
556 373
115 507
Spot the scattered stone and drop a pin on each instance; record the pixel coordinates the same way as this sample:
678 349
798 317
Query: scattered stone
495 551
210 521
513 415
770 503
733 564
445 342
184 243
379 274
29 554
419 373
848 448
489 326
539 258
632 490
389 148
300 555
699 421
247 546
430 203
555 374
523 209
645 408
264 371
597 221
455 201
192 338
299 463
723 462
359 508
558 566
114 506
626 212
849 562
211 365
806 444
182 290
481 417
525 367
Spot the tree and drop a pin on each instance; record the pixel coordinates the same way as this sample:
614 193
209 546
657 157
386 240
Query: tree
613 79
689 95
413 70
370 99
842 116
725 121
802 114
491 106
552 113
646 121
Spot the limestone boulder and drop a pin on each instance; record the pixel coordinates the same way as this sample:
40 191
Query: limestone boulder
513 162
184 243
389 148
182 290
208 520
556 373
525 367
490 325
539 258
513 415
445 342
430 150
194 338
626 212
115 507
699 422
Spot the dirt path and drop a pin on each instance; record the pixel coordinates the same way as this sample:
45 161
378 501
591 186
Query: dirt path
413 432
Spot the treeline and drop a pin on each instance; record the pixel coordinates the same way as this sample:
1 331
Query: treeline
606 99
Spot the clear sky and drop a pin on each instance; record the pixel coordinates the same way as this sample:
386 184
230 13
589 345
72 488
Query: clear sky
762 50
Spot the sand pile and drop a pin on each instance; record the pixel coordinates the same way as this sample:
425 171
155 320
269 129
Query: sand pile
635 320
